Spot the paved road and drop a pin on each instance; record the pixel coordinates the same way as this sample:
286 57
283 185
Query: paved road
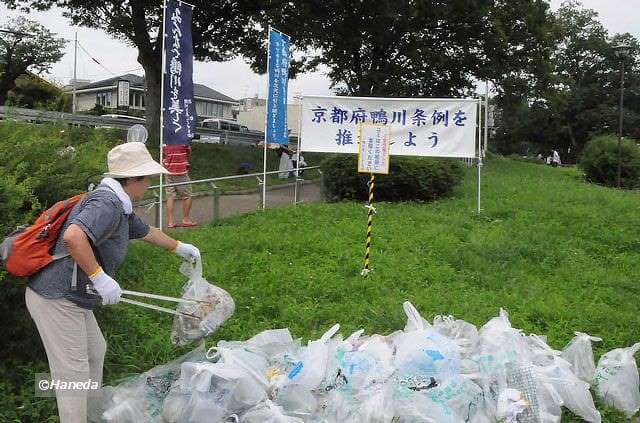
234 204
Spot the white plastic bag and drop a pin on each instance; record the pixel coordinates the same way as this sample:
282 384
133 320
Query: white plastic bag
214 308
616 379
579 354
140 398
267 412
240 390
311 369
463 333
574 392
424 355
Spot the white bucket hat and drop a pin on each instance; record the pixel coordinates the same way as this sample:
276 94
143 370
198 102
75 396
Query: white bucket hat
130 160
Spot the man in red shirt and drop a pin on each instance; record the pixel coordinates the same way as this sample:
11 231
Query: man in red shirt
175 159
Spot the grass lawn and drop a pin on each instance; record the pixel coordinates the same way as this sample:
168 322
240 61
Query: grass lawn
558 254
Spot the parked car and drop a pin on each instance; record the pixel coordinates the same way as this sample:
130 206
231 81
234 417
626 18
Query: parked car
224 125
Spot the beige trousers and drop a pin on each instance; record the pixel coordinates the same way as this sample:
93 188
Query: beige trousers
75 349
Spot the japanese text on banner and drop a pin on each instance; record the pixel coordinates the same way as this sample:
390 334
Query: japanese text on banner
418 127
179 116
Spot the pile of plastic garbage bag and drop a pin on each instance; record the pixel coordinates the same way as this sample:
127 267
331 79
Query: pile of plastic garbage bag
447 371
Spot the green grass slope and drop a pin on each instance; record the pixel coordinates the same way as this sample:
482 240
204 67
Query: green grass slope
558 254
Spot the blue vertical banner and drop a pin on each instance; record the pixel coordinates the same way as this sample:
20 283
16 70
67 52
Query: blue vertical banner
179 114
277 131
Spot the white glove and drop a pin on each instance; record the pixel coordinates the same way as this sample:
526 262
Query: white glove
188 252
107 287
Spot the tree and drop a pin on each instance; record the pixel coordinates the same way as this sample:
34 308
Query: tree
219 28
581 97
26 46
411 48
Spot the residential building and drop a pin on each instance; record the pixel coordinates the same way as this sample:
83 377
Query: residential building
209 102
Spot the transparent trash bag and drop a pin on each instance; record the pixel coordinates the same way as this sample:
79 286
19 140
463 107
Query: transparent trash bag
268 412
579 354
574 393
423 355
236 391
311 368
140 398
463 333
616 379
214 308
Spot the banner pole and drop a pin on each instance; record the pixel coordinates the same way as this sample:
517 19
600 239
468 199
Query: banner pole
486 119
164 37
479 164
266 117
295 194
365 271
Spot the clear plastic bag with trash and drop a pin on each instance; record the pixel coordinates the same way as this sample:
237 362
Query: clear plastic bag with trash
141 398
616 379
574 393
199 319
579 353
424 356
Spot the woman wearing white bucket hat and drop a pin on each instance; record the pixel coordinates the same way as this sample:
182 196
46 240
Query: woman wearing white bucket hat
60 298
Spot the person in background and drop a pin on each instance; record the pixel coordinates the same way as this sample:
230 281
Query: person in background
60 297
175 159
301 163
555 158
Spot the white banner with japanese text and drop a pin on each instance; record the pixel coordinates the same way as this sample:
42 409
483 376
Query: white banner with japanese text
418 127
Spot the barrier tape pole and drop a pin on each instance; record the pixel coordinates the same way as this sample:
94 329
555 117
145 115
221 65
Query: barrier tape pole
372 211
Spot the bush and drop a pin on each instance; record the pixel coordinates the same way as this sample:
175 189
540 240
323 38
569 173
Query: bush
599 161
33 155
410 178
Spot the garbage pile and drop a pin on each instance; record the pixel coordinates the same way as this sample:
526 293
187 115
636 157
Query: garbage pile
444 372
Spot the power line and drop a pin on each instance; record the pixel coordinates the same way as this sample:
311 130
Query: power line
96 60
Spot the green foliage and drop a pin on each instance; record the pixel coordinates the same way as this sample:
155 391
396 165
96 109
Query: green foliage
409 179
31 47
581 96
34 92
34 155
599 161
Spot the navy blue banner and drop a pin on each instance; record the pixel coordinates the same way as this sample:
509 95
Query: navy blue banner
277 130
179 114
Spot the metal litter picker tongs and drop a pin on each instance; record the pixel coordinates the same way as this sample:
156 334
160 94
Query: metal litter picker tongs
159 297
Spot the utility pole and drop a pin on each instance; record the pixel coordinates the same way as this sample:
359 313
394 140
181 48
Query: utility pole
75 82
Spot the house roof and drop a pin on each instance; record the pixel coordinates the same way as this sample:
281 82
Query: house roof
137 81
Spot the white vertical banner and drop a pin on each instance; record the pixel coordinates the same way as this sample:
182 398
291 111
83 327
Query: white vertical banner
123 93
373 151
417 127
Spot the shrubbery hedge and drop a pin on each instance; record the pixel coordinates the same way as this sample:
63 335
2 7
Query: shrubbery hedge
599 161
409 179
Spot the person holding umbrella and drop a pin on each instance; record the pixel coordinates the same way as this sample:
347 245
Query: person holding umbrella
60 297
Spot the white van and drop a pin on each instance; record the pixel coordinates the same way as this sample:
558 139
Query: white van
224 125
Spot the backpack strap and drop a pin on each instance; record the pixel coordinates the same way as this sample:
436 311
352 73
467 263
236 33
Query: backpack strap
74 275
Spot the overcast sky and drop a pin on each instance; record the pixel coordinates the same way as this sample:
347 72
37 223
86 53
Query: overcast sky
234 78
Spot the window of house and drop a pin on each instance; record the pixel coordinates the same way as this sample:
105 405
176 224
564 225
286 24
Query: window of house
108 102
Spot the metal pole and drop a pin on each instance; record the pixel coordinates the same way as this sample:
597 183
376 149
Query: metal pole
620 123
266 117
295 194
164 38
479 154
486 119
75 76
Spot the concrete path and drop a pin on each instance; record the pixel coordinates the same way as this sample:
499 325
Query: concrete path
237 203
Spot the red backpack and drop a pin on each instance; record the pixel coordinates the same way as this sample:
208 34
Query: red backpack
28 249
